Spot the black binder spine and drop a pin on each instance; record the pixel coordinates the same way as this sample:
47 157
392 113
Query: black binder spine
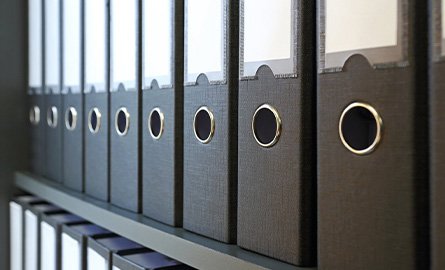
125 173
72 109
162 131
372 177
210 141
96 99
276 156
53 100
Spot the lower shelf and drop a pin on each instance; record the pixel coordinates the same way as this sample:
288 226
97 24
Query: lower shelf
192 249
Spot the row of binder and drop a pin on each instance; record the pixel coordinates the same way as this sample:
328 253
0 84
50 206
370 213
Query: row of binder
276 125
44 236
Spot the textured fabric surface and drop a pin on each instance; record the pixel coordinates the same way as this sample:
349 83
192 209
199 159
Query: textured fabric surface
366 204
209 201
53 141
96 149
437 166
73 144
162 164
125 184
272 190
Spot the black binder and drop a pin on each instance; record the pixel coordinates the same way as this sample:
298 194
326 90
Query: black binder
35 89
437 150
276 161
147 260
124 105
210 118
372 135
162 110
72 95
53 100
96 73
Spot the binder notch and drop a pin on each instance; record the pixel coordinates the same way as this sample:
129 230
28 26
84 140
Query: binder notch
266 125
156 123
122 121
34 115
94 120
204 125
360 128
71 118
52 116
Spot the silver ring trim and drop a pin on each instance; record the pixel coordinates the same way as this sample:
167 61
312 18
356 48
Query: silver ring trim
34 115
127 121
98 120
277 122
73 112
54 111
212 124
161 117
379 123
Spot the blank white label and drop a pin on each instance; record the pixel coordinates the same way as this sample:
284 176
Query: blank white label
116 268
158 38
35 43
360 24
47 246
16 218
70 253
31 243
95 261
268 35
95 44
52 43
123 45
205 39
71 43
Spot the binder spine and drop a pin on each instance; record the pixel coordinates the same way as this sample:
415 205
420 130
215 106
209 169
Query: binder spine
163 151
125 176
210 184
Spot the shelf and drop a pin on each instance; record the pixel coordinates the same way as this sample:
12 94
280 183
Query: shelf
189 248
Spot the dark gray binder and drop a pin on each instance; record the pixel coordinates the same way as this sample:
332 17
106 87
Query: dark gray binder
54 221
80 234
162 115
72 109
96 98
147 261
210 120
125 183
53 100
276 161
372 137
101 249
36 99
437 150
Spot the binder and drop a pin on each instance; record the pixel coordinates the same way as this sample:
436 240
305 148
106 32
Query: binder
100 250
124 105
146 261
72 95
276 199
210 118
50 238
16 235
16 229
32 233
96 99
162 110
74 242
53 100
437 145
372 133
35 88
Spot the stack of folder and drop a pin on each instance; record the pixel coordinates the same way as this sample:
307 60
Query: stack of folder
306 131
